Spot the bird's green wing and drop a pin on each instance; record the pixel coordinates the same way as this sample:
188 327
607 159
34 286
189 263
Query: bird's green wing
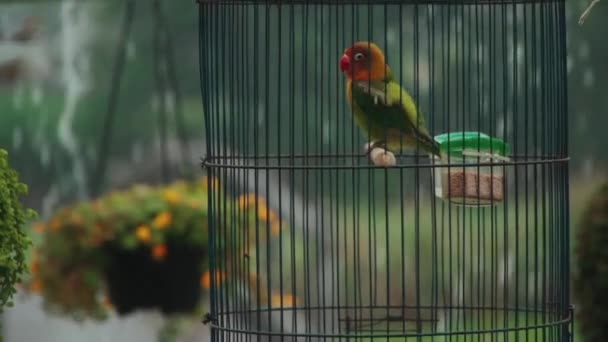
393 107
391 95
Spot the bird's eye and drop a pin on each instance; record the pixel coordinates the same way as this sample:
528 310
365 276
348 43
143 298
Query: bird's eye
359 56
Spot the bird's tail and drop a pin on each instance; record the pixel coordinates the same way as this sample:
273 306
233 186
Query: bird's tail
429 144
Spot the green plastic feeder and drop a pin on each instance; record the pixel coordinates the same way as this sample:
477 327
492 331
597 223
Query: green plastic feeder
470 171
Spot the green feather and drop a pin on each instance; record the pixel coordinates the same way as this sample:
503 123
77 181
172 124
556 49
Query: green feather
379 106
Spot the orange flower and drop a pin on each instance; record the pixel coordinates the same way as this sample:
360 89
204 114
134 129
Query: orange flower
143 234
35 267
39 227
273 216
275 227
288 300
159 252
263 212
266 214
163 220
55 224
245 201
36 286
214 182
171 196
206 279
107 303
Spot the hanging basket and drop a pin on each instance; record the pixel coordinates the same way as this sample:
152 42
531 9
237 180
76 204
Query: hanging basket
136 280
142 248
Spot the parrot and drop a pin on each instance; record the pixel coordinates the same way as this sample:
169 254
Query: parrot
384 112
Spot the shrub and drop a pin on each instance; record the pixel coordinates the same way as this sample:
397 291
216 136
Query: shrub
14 242
591 275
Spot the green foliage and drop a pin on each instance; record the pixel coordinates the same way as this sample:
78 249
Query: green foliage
13 240
591 278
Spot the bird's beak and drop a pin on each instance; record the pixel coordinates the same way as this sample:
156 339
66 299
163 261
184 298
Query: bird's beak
344 63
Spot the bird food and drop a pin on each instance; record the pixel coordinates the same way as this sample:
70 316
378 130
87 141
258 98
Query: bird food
473 187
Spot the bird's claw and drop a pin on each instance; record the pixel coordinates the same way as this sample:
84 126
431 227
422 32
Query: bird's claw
382 157
369 147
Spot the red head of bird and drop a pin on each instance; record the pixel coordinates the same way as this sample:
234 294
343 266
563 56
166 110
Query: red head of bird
364 61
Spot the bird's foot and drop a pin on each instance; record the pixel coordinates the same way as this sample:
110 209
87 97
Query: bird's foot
369 147
379 154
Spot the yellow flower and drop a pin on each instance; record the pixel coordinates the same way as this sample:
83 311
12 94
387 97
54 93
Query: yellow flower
143 234
288 300
171 196
214 182
249 200
163 220
263 212
159 252
77 219
275 227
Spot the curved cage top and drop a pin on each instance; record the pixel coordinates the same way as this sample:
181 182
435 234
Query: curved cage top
371 2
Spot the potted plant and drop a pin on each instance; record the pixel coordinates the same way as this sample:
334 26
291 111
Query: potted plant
14 242
143 247
140 248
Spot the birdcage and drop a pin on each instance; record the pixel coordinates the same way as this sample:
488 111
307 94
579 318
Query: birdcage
410 165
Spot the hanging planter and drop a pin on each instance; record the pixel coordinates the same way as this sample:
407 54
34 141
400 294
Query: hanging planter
138 249
142 248
168 279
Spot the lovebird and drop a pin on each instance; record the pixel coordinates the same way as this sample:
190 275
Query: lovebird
385 113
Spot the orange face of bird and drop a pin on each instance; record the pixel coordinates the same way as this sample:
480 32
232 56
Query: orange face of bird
363 61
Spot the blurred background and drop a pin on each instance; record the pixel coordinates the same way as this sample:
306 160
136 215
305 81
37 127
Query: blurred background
86 108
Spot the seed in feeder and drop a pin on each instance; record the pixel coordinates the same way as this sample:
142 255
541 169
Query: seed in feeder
472 185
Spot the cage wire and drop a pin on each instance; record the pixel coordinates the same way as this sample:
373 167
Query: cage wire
470 242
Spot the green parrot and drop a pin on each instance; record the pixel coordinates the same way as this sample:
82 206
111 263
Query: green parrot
384 112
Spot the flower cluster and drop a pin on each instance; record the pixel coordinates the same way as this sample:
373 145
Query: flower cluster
258 205
68 267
